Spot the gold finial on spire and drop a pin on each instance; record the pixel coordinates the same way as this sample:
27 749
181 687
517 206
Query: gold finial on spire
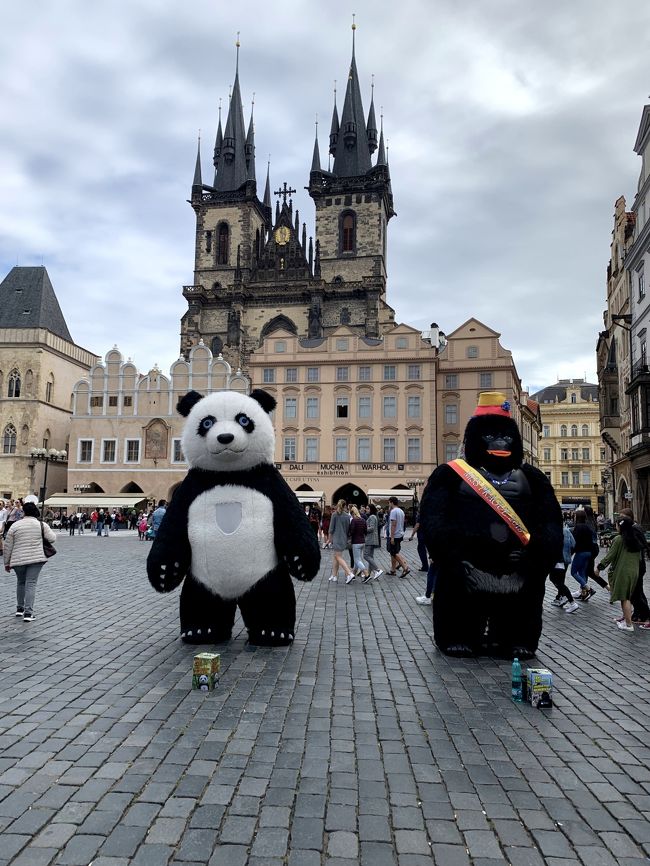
238 43
354 26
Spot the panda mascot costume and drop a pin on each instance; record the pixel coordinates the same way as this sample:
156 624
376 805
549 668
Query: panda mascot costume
234 529
493 528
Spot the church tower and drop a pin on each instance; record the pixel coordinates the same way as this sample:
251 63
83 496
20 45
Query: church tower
255 270
354 203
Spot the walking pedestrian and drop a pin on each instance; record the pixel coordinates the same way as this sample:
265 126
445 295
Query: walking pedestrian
590 520
432 573
582 555
558 575
338 540
358 530
640 609
395 534
100 522
372 543
422 548
623 559
23 551
157 516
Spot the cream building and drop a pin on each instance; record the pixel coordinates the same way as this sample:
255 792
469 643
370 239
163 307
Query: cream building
473 360
572 452
125 433
39 364
355 414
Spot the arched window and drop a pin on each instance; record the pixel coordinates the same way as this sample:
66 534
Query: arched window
46 440
13 389
348 232
563 430
49 389
585 429
9 440
574 429
222 244
574 399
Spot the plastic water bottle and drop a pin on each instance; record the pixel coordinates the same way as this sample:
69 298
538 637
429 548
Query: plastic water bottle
516 681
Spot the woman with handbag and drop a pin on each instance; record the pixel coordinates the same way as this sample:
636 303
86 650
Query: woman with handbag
25 551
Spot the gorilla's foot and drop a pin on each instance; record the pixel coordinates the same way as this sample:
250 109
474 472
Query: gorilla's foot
522 653
459 650
270 637
204 634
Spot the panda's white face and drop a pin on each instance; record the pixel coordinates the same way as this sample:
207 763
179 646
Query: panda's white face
227 431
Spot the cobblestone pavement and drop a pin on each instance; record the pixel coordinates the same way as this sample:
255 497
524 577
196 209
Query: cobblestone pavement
359 744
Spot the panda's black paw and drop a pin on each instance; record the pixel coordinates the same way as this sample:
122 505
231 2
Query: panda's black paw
204 634
270 637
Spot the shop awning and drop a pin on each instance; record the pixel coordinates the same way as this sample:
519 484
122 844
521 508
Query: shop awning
95 500
309 495
386 494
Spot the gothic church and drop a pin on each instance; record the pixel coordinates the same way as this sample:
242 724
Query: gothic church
256 272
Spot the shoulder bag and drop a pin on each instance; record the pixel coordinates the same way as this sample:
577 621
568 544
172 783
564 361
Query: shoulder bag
48 548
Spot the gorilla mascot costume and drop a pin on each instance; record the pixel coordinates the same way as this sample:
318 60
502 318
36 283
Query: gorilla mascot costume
493 527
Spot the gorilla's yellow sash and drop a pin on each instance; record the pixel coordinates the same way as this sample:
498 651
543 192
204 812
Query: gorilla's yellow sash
481 486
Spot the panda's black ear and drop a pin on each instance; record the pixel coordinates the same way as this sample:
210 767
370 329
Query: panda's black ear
266 400
185 404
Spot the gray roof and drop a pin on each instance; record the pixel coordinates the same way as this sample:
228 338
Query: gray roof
554 393
27 300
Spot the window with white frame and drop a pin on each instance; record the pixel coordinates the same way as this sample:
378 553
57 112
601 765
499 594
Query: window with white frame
268 375
390 372
574 430
365 406
586 477
290 407
413 406
451 451
414 371
364 373
311 449
85 451
485 380
390 449
9 441
585 429
413 449
585 454
132 451
564 453
291 374
109 450
290 448
575 479
451 413
342 374
563 430
342 407
547 454
546 431
313 374
363 449
177 451
565 479
312 408
575 453
390 406
341 448
451 381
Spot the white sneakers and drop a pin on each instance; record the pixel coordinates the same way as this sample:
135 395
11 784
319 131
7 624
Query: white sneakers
349 578
422 599
624 626
377 574
572 608
333 578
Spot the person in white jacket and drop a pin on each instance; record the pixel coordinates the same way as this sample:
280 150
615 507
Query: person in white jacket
23 551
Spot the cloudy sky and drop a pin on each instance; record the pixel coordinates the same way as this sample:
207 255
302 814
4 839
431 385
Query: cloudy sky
510 127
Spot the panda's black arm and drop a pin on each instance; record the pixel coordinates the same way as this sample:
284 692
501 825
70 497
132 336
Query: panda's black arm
295 541
170 555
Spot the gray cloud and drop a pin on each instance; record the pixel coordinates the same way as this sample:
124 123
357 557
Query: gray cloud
510 130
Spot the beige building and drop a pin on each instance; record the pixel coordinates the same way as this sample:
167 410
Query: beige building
473 360
125 432
39 364
572 452
355 414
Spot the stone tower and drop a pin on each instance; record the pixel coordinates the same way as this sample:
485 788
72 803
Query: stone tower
255 270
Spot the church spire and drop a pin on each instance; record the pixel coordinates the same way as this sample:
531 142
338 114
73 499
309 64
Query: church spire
372 123
334 128
267 188
315 162
232 168
197 168
353 159
250 145
381 155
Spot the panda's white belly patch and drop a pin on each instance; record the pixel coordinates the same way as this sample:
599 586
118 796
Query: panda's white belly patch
230 530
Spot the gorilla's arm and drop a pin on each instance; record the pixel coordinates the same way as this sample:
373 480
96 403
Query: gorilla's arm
545 526
443 538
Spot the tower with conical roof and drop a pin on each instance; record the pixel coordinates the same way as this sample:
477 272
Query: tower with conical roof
354 203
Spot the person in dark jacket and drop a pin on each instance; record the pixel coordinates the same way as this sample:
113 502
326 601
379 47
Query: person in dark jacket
582 556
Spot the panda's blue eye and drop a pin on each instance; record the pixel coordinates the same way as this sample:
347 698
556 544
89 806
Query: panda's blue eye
244 420
206 424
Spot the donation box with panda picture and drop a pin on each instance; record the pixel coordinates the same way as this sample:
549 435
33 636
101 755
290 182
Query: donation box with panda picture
234 533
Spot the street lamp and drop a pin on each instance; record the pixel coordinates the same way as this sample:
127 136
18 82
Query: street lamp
43 455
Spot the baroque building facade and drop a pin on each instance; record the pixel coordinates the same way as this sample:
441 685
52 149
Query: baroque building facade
572 454
39 364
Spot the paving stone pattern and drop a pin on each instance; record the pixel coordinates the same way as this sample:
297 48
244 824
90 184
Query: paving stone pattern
359 744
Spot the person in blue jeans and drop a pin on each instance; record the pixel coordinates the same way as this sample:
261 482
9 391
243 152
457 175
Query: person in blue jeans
432 573
422 548
582 556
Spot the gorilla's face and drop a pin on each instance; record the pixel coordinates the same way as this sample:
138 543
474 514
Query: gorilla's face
493 442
